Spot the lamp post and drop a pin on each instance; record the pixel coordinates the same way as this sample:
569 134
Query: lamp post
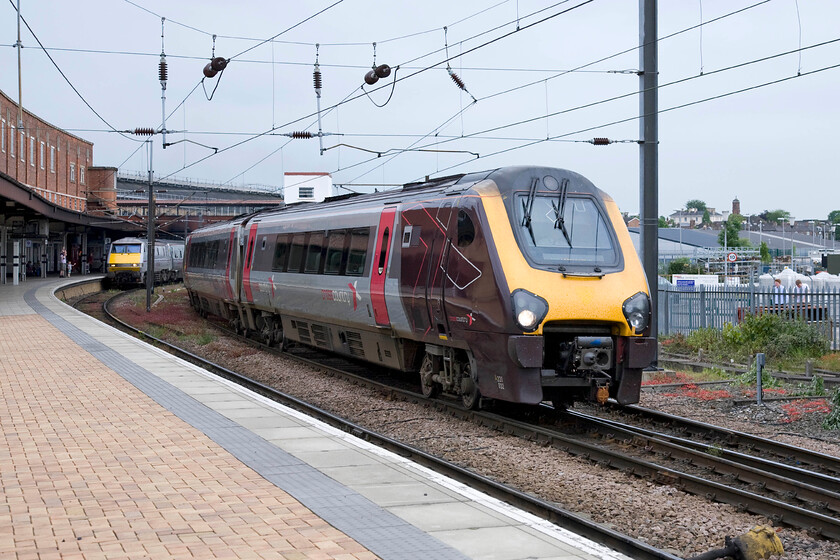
682 212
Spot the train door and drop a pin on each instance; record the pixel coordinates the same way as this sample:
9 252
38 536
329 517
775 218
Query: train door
379 267
249 260
437 271
230 266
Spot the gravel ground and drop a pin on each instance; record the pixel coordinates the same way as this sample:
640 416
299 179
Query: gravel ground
663 516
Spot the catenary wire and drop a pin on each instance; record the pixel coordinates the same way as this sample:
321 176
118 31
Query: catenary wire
66 79
349 44
660 86
734 12
571 109
659 112
491 41
298 24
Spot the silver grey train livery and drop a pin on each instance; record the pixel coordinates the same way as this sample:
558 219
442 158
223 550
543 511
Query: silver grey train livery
519 284
128 261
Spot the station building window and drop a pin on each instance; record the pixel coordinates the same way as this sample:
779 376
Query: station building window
72 172
32 151
43 155
22 150
3 135
81 175
52 159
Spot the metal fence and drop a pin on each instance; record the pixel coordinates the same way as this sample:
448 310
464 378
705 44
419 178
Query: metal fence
685 310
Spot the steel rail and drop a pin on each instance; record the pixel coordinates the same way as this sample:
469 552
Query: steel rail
773 509
830 485
782 482
791 453
559 516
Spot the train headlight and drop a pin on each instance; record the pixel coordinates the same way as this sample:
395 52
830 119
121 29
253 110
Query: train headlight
637 312
528 310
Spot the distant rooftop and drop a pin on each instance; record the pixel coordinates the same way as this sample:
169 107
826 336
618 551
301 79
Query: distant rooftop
199 183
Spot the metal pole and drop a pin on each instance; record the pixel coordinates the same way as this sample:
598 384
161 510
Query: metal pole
15 263
150 237
759 366
20 78
649 153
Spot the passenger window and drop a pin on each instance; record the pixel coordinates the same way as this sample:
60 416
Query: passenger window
335 252
214 254
357 255
313 253
281 253
383 252
466 229
296 252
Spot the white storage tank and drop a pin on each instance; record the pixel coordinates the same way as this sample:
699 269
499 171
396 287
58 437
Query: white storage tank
788 278
765 282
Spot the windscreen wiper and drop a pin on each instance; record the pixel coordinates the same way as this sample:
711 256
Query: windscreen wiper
527 208
560 209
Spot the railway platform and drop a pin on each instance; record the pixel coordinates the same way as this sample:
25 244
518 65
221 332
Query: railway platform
112 448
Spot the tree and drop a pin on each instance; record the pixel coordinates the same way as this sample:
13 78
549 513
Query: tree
764 253
707 218
834 218
729 232
663 222
775 215
678 266
695 204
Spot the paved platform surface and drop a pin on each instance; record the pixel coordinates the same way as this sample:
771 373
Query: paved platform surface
111 448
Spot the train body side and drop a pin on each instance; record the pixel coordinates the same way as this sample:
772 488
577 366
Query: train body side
432 278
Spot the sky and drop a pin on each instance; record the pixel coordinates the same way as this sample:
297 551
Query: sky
546 77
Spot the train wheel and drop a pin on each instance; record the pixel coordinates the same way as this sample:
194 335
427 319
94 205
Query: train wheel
470 395
427 371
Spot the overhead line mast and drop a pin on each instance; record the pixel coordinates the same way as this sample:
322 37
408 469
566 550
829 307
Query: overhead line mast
649 153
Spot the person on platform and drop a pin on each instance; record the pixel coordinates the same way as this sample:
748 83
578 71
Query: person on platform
63 271
800 292
780 296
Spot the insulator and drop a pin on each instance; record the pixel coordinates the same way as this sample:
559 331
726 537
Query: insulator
300 135
601 141
316 78
382 71
371 78
208 71
144 131
163 70
219 63
458 81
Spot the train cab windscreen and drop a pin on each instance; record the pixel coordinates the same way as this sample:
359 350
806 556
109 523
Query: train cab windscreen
124 248
561 231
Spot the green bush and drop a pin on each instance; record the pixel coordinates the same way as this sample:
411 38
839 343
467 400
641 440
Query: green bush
779 338
832 421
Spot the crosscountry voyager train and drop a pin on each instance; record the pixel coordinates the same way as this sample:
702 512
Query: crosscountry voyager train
128 261
519 284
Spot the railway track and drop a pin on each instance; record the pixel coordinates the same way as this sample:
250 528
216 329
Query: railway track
830 378
781 490
561 517
728 440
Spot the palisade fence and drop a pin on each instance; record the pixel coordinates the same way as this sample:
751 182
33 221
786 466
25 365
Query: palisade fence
687 309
